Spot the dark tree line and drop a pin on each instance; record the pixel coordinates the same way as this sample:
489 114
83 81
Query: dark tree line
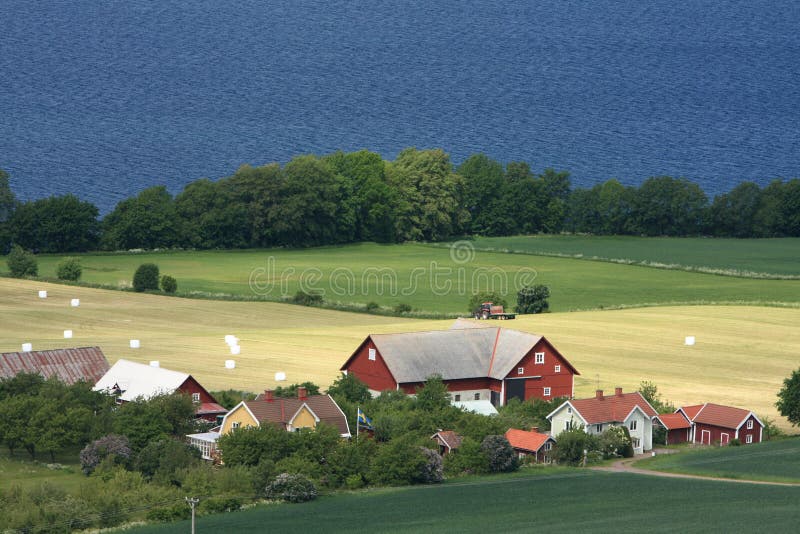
421 195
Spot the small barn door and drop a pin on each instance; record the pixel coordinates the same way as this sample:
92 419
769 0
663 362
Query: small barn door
705 437
515 389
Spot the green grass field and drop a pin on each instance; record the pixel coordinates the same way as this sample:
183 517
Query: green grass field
430 279
766 256
554 501
775 461
21 471
610 348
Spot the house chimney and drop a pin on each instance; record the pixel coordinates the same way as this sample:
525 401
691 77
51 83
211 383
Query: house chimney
268 395
618 392
301 392
598 394
535 429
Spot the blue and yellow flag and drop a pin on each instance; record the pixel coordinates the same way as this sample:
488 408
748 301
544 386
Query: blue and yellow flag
363 420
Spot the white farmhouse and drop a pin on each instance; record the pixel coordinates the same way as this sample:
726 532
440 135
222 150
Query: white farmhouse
597 414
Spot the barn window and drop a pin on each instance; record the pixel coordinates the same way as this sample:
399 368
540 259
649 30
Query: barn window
458 398
372 354
557 369
633 424
749 424
195 397
546 392
539 357
520 370
477 396
749 438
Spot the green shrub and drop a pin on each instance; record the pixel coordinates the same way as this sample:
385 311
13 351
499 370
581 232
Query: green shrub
146 277
533 299
307 299
402 308
69 269
22 263
169 284
167 514
291 488
486 296
372 306
735 443
501 457
219 505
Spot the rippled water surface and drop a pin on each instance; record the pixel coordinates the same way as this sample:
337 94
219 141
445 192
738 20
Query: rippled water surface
106 98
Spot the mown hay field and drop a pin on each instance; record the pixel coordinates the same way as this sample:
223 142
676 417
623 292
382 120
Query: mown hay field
741 356
557 500
430 279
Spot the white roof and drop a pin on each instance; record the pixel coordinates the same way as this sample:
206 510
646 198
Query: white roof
139 380
482 407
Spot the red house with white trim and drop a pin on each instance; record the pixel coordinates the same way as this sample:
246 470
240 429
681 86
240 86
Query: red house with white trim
714 423
495 364
678 427
531 443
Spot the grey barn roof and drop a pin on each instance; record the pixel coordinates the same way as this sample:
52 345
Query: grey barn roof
69 365
453 354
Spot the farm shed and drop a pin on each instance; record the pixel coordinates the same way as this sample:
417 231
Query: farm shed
129 381
69 365
601 412
494 364
531 443
447 440
718 424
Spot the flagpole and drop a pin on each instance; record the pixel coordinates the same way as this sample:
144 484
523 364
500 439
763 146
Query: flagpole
358 423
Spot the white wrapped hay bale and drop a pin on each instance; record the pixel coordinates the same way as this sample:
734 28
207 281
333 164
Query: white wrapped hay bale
67 334
42 294
155 363
280 376
230 364
236 349
75 303
27 347
689 341
135 344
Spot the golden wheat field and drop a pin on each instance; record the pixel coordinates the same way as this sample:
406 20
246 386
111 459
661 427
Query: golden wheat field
741 355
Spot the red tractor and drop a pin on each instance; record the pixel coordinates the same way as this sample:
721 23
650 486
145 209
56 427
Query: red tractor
488 310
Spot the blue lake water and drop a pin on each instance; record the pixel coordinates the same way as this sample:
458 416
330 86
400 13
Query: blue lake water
106 98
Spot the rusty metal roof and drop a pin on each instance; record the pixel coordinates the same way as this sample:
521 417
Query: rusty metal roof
69 365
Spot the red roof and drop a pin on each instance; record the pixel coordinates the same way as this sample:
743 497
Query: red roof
208 408
525 440
279 411
724 416
674 421
691 411
69 365
611 408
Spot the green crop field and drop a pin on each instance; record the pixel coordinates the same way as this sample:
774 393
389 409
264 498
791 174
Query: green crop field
772 461
736 256
610 348
555 501
430 279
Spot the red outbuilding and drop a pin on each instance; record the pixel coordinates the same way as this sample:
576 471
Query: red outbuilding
678 427
489 363
717 424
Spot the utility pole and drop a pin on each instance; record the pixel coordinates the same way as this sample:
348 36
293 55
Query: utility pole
192 502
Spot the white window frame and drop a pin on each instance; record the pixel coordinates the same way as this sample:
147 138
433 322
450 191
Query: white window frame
748 438
235 425
568 425
371 354
598 428
538 358
633 424
546 392
548 446
635 442
520 370
195 397
557 369
749 424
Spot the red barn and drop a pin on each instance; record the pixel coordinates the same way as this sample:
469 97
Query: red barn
717 424
69 365
678 427
495 364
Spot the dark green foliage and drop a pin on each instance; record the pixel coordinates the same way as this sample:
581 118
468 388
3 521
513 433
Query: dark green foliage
158 418
500 457
56 224
161 460
571 444
146 277
69 269
400 462
291 488
402 308
8 204
290 391
349 388
231 397
789 398
168 284
468 459
372 306
307 299
113 446
167 514
477 299
615 442
146 221
22 263
433 396
650 393
533 299
530 413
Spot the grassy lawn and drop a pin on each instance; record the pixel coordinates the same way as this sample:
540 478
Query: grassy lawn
609 348
774 256
20 470
430 279
774 461
561 501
